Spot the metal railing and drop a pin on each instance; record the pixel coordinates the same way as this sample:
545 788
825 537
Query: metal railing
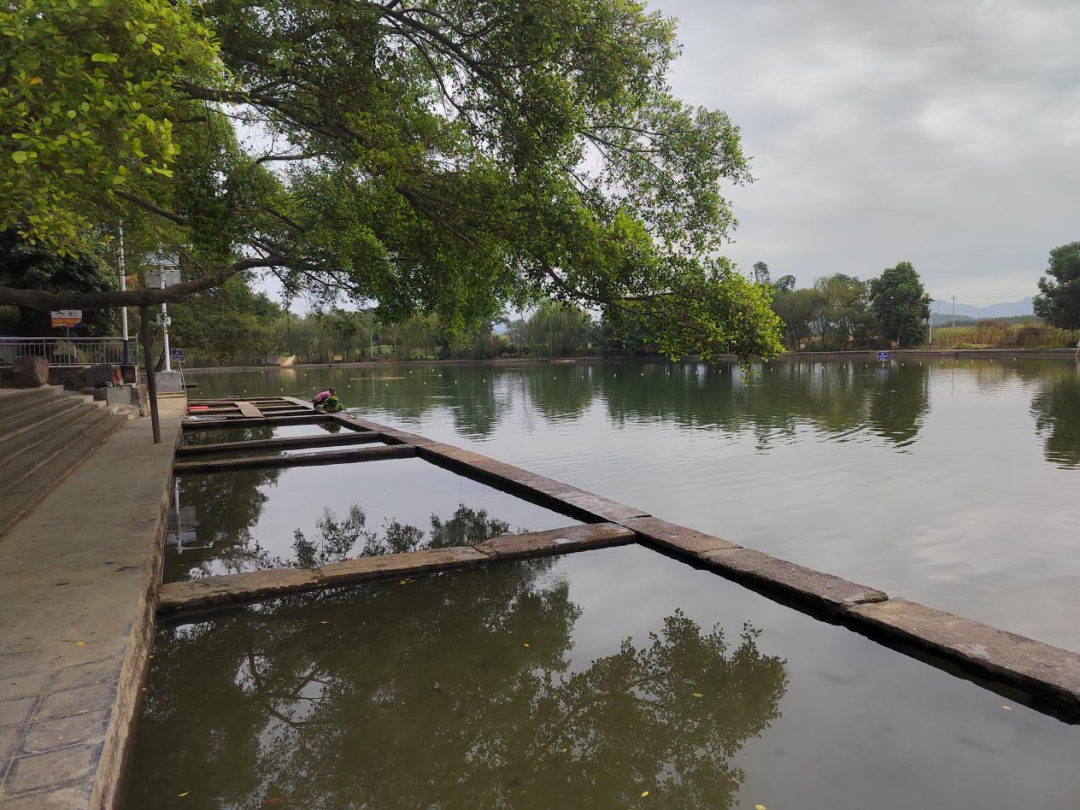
78 351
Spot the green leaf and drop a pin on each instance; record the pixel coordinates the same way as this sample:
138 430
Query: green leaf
19 157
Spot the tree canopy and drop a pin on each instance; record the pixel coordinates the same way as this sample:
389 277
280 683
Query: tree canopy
443 157
1059 302
900 304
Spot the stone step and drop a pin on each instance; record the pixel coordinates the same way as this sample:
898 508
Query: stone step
55 442
19 499
28 439
15 400
36 413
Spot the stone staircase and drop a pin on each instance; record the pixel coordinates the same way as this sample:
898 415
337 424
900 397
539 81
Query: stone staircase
44 435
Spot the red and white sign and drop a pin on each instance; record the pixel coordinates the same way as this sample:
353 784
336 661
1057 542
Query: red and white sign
66 317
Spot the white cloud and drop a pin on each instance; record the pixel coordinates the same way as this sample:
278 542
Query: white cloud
941 133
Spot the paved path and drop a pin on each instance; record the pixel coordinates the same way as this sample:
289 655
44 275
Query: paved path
76 620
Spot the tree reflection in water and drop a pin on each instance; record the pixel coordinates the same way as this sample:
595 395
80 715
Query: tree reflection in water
426 695
1056 407
335 540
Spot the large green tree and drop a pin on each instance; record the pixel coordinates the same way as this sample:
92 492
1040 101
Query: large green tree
1059 301
900 304
33 266
442 156
226 324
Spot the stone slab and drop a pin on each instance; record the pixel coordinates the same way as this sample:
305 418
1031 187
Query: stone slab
572 500
281 443
233 588
304 459
1024 662
392 565
676 538
557 541
795 581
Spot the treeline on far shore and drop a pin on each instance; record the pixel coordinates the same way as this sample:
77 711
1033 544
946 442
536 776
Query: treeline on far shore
235 325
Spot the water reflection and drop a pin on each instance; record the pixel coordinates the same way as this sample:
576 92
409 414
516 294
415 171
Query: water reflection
245 520
836 399
454 691
335 540
1056 407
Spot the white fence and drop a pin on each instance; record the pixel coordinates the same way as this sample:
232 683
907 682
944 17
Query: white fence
69 351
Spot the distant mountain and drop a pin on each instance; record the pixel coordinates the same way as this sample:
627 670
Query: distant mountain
946 318
1023 307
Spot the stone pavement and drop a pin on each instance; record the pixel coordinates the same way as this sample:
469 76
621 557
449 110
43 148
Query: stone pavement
77 578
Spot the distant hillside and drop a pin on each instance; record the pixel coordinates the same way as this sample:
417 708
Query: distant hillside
1023 307
946 318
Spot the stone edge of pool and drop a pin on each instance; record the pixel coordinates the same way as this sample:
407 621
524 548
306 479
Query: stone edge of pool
1045 672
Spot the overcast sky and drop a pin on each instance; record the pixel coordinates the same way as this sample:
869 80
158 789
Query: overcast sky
945 133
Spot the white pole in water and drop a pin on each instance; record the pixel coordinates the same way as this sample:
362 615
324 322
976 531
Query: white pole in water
165 324
931 330
123 310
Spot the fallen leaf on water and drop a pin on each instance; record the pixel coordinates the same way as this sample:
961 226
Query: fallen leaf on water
80 643
185 793
698 694
324 621
646 793
759 807
524 645
1007 708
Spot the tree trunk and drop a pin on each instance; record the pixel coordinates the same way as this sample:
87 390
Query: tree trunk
151 383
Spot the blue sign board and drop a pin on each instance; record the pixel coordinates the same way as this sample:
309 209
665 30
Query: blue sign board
178 355
883 356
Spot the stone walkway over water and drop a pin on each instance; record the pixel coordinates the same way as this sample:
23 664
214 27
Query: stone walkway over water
77 578
80 587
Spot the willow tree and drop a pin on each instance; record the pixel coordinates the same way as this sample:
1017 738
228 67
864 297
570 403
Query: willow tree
441 156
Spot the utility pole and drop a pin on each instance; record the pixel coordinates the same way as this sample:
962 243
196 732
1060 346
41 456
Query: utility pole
953 311
165 325
932 330
123 310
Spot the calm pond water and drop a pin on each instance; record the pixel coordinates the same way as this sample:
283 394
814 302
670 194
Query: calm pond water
246 520
954 483
577 681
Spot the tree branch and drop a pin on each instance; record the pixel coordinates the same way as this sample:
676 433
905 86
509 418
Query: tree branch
153 208
43 300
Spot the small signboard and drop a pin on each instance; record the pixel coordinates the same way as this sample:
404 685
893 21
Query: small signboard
177 355
164 275
883 356
66 317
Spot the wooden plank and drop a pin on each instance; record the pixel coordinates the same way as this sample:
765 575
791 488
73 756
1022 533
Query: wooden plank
302 460
248 410
281 443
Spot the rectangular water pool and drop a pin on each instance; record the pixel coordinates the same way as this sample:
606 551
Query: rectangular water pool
607 679
244 520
